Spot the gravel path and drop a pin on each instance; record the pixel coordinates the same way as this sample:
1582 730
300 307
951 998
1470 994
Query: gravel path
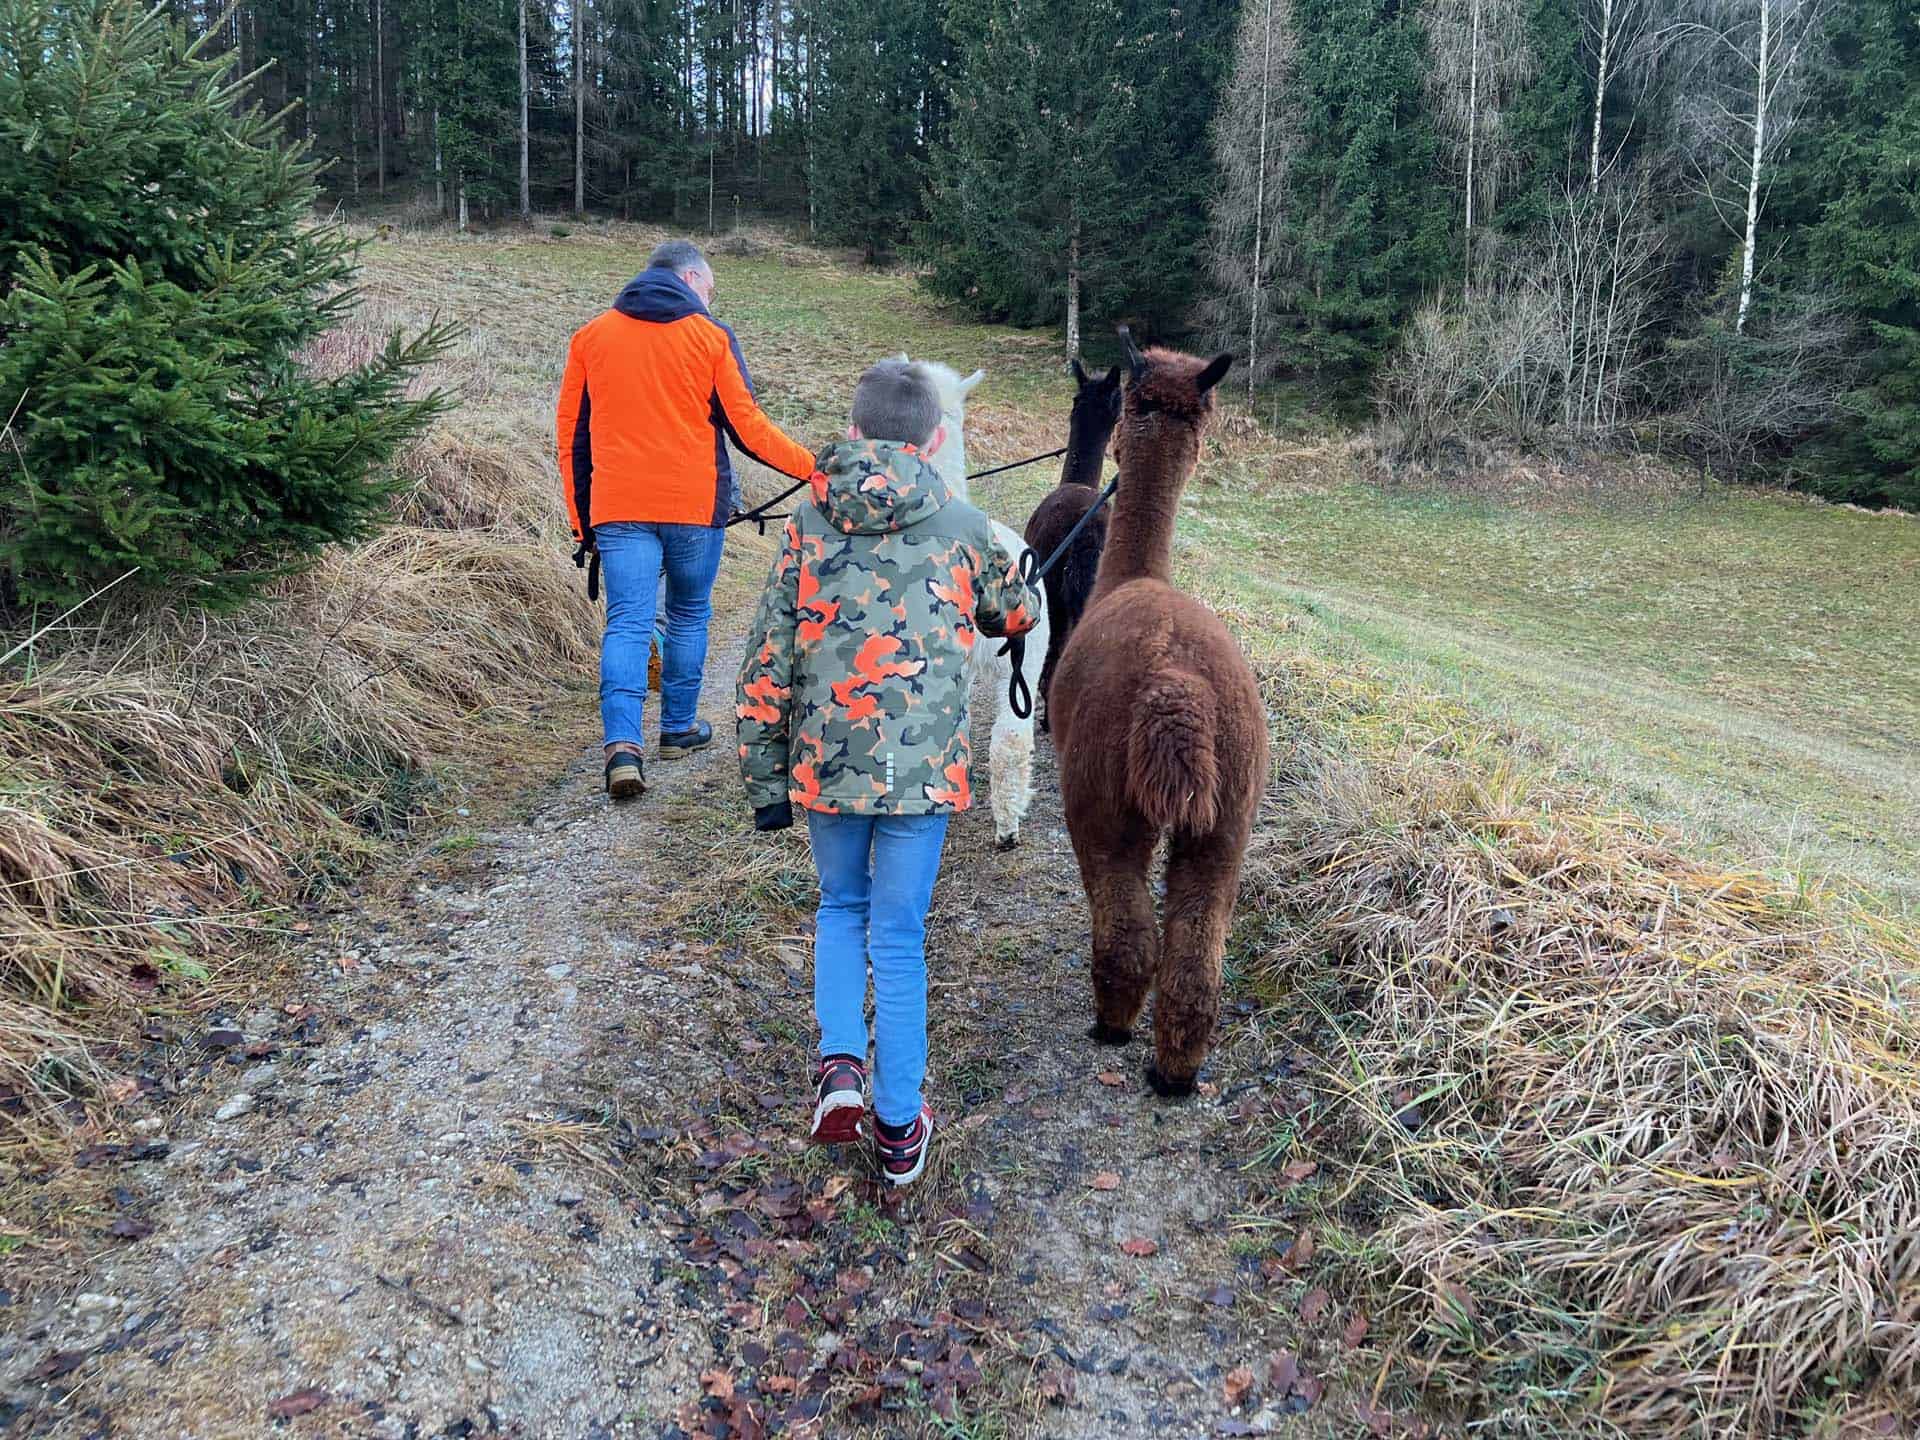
515 1153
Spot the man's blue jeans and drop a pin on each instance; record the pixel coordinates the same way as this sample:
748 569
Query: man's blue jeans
632 558
876 880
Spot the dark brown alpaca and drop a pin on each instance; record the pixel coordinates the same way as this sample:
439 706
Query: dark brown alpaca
1159 728
1069 585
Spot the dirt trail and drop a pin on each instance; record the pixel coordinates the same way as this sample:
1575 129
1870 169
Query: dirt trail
526 1164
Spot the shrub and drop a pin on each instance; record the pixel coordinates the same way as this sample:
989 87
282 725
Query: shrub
163 280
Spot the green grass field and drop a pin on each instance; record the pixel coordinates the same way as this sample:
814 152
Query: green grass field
1743 666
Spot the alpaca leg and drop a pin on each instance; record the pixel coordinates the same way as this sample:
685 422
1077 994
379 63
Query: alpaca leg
1125 943
1203 881
1010 759
1011 767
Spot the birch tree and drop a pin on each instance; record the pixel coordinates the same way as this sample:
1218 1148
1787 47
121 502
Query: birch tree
1617 37
1749 64
1480 59
1254 140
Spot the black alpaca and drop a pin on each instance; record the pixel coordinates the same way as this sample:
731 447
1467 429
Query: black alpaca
1096 409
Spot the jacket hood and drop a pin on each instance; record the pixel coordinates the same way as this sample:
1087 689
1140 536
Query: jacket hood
872 487
659 295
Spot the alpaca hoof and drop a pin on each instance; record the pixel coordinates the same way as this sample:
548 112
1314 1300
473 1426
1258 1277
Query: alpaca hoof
1107 1034
1007 842
1168 1089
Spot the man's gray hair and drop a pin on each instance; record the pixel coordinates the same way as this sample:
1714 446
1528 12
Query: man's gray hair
895 400
679 256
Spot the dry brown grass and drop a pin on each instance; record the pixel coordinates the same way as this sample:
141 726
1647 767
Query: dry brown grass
1633 1141
169 779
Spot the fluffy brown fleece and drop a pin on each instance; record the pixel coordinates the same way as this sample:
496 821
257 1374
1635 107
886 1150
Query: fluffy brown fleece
1159 728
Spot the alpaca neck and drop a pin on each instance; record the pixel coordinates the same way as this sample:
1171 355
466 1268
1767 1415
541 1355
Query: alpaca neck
1085 455
1140 536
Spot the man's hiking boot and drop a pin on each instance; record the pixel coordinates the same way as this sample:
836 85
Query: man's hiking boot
902 1156
625 779
685 742
840 1100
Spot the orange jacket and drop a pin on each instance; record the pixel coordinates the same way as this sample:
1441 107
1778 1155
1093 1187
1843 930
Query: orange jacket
654 389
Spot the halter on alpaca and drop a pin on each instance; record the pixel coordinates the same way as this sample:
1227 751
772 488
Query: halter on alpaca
1010 753
1160 729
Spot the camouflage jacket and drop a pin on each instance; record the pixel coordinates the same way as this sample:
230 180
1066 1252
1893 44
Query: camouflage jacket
853 695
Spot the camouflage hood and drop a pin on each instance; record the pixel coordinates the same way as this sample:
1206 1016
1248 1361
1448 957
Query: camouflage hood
874 487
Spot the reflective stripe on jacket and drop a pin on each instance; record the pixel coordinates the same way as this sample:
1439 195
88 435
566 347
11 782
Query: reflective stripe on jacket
654 389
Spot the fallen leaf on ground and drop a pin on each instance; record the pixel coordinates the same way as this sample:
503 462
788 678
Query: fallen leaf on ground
1112 1079
1454 1300
57 1363
1355 1332
1294 1171
300 1402
1300 1252
1140 1247
1239 1384
1220 1295
718 1383
1315 1304
131 1227
836 1187
1282 1371
1310 1389
1105 1180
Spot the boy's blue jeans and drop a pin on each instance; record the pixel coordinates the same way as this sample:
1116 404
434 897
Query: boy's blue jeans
632 557
876 880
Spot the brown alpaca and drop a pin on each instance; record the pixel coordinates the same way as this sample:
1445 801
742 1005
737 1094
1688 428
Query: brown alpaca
1159 727
1069 585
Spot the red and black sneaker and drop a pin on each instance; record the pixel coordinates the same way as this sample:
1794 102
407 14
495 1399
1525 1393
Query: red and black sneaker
840 1100
902 1156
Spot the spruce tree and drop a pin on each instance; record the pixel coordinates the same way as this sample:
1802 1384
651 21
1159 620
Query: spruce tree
1369 237
1853 189
866 167
1077 171
164 282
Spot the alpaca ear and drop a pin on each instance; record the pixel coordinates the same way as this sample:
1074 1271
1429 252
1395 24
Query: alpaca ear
901 357
1073 368
966 385
1136 362
1111 380
1215 372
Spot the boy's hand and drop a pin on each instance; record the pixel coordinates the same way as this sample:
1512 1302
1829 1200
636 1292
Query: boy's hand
777 816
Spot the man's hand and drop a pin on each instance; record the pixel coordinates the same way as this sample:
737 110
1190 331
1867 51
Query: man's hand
777 816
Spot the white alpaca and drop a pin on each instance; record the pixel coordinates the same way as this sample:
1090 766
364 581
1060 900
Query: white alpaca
1010 754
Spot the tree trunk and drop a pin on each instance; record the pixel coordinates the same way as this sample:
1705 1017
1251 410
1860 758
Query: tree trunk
1260 206
1754 171
1473 134
1600 91
380 90
439 169
579 111
463 208
526 190
1073 291
709 184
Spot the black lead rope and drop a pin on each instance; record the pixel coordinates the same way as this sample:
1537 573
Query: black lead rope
1019 696
760 514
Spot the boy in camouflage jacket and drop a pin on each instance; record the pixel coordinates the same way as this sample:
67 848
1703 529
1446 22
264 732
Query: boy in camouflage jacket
852 703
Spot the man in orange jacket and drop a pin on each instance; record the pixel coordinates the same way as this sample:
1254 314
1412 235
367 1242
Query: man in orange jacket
654 390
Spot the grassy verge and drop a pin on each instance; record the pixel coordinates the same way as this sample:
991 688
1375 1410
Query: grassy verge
172 781
1612 1140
